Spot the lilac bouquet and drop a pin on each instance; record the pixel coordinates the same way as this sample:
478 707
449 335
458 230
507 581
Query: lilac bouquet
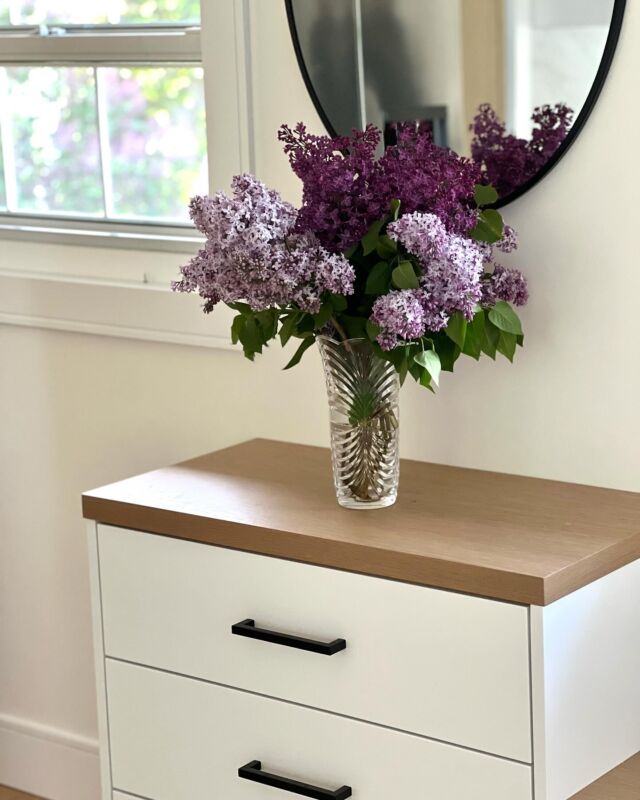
401 250
507 161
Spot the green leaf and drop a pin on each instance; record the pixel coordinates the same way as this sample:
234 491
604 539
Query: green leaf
242 308
306 325
338 302
237 327
372 330
475 336
297 356
379 278
425 380
386 247
457 329
370 239
491 338
351 251
520 339
288 327
507 344
505 318
355 327
404 277
268 323
324 315
484 195
489 227
448 351
399 357
251 338
430 360
395 209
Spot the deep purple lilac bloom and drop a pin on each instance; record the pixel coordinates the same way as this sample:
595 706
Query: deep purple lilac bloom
345 189
253 253
508 161
505 284
400 315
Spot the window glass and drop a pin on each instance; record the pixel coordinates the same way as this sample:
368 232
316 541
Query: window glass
157 139
54 134
95 12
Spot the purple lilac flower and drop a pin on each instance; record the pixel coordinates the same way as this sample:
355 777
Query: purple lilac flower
505 284
400 315
345 189
452 268
509 241
508 161
253 253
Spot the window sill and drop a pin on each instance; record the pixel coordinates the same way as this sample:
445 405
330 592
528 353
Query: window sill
87 290
100 234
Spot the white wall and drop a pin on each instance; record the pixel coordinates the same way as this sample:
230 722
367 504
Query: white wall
79 411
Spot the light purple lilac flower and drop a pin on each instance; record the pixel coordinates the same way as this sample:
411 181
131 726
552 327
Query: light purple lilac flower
452 267
505 284
400 315
253 253
424 235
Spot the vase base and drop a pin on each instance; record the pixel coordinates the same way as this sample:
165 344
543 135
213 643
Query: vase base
355 504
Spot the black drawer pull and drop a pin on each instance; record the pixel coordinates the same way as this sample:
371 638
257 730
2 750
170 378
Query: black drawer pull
253 772
248 628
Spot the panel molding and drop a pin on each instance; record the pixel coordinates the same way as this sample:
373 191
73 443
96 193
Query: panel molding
48 761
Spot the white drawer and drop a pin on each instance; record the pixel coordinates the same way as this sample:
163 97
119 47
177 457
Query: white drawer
444 665
174 738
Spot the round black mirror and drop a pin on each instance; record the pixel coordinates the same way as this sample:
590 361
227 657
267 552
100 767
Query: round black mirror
508 83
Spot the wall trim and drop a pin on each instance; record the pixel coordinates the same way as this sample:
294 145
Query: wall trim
118 331
48 761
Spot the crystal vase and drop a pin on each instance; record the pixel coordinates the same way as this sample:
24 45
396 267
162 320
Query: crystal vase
363 392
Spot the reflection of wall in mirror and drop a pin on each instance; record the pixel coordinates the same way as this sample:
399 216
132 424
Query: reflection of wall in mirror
553 51
412 59
483 59
327 33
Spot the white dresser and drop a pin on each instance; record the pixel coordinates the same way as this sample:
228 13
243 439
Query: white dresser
478 641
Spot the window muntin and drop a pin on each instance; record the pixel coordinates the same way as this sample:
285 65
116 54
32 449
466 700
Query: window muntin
98 12
105 122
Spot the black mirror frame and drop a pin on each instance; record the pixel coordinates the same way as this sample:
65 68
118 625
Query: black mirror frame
610 47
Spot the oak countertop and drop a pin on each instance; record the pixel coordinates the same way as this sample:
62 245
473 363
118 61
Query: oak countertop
501 536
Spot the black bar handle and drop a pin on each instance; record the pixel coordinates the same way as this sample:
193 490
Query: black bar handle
253 772
248 628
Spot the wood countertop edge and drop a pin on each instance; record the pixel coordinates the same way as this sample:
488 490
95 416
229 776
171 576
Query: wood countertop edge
590 569
477 580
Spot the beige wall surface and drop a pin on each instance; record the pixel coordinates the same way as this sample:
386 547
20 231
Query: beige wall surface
79 411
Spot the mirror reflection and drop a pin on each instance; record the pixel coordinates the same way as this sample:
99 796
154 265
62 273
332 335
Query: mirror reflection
500 81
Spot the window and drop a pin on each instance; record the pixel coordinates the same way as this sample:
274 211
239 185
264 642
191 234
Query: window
102 119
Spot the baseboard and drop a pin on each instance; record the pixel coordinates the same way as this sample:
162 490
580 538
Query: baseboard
47 761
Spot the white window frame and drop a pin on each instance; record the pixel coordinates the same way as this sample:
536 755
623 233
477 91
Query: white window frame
71 280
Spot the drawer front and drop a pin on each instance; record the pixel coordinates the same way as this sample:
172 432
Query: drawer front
174 738
444 665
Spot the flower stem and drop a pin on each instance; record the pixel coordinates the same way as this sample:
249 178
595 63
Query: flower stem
341 331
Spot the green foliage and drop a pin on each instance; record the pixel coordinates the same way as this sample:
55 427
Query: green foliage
489 228
484 195
457 329
379 279
430 360
505 318
404 276
381 267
